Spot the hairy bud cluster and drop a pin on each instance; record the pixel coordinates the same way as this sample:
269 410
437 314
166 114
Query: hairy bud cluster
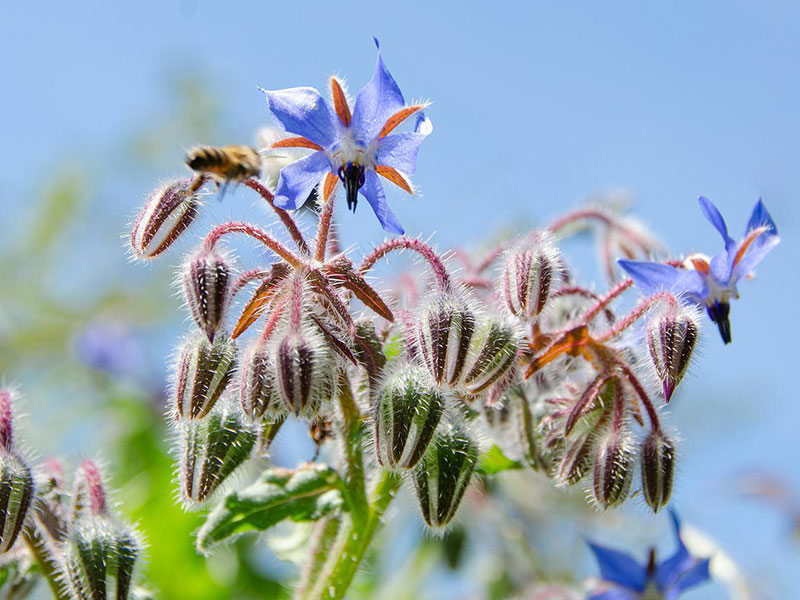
207 285
462 351
167 213
406 414
529 275
16 480
671 338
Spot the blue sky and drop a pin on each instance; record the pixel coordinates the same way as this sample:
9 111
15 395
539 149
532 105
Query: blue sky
535 106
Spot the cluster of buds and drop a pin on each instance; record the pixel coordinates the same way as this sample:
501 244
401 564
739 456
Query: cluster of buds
85 549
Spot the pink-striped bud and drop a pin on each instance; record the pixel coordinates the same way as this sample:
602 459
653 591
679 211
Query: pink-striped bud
305 368
658 469
207 286
613 468
165 216
204 370
671 337
528 276
445 328
16 480
257 384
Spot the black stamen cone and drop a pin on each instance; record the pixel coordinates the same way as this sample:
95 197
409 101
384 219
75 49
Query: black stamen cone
353 178
719 314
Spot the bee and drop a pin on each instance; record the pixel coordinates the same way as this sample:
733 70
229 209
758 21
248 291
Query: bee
224 164
321 429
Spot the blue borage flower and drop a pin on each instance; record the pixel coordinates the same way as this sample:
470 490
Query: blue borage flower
712 282
354 147
624 578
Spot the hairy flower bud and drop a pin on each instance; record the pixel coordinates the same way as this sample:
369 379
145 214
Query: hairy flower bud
658 469
446 326
204 370
212 449
207 286
257 384
613 468
491 354
165 216
99 558
100 550
305 373
576 460
528 276
671 338
16 480
443 475
407 411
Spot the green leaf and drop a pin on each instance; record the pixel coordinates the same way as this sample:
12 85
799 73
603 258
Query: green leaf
494 461
306 494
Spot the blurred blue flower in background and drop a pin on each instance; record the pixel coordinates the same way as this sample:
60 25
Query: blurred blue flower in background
624 578
353 147
712 282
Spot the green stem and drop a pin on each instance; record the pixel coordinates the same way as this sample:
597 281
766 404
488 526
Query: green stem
359 539
352 436
47 563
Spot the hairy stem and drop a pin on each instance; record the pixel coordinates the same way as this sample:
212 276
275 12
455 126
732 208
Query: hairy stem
321 243
404 243
637 313
284 216
604 301
254 232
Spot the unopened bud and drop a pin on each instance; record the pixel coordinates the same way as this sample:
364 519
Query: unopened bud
305 373
204 370
165 216
671 339
16 480
613 468
658 469
211 450
492 352
257 384
207 287
407 411
446 326
443 475
576 460
528 277
99 558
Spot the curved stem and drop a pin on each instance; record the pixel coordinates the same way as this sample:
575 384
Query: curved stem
246 278
578 215
284 216
254 232
636 314
404 243
603 301
643 397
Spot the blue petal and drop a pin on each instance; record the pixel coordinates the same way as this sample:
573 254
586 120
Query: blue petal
372 190
668 571
695 575
715 218
299 179
303 111
656 277
375 103
614 595
761 246
616 567
761 218
399 150
721 267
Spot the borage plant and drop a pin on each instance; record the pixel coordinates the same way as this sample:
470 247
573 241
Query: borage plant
420 388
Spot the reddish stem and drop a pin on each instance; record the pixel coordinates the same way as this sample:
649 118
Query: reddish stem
255 232
6 426
246 278
283 215
655 425
637 313
404 243
325 217
272 322
605 300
